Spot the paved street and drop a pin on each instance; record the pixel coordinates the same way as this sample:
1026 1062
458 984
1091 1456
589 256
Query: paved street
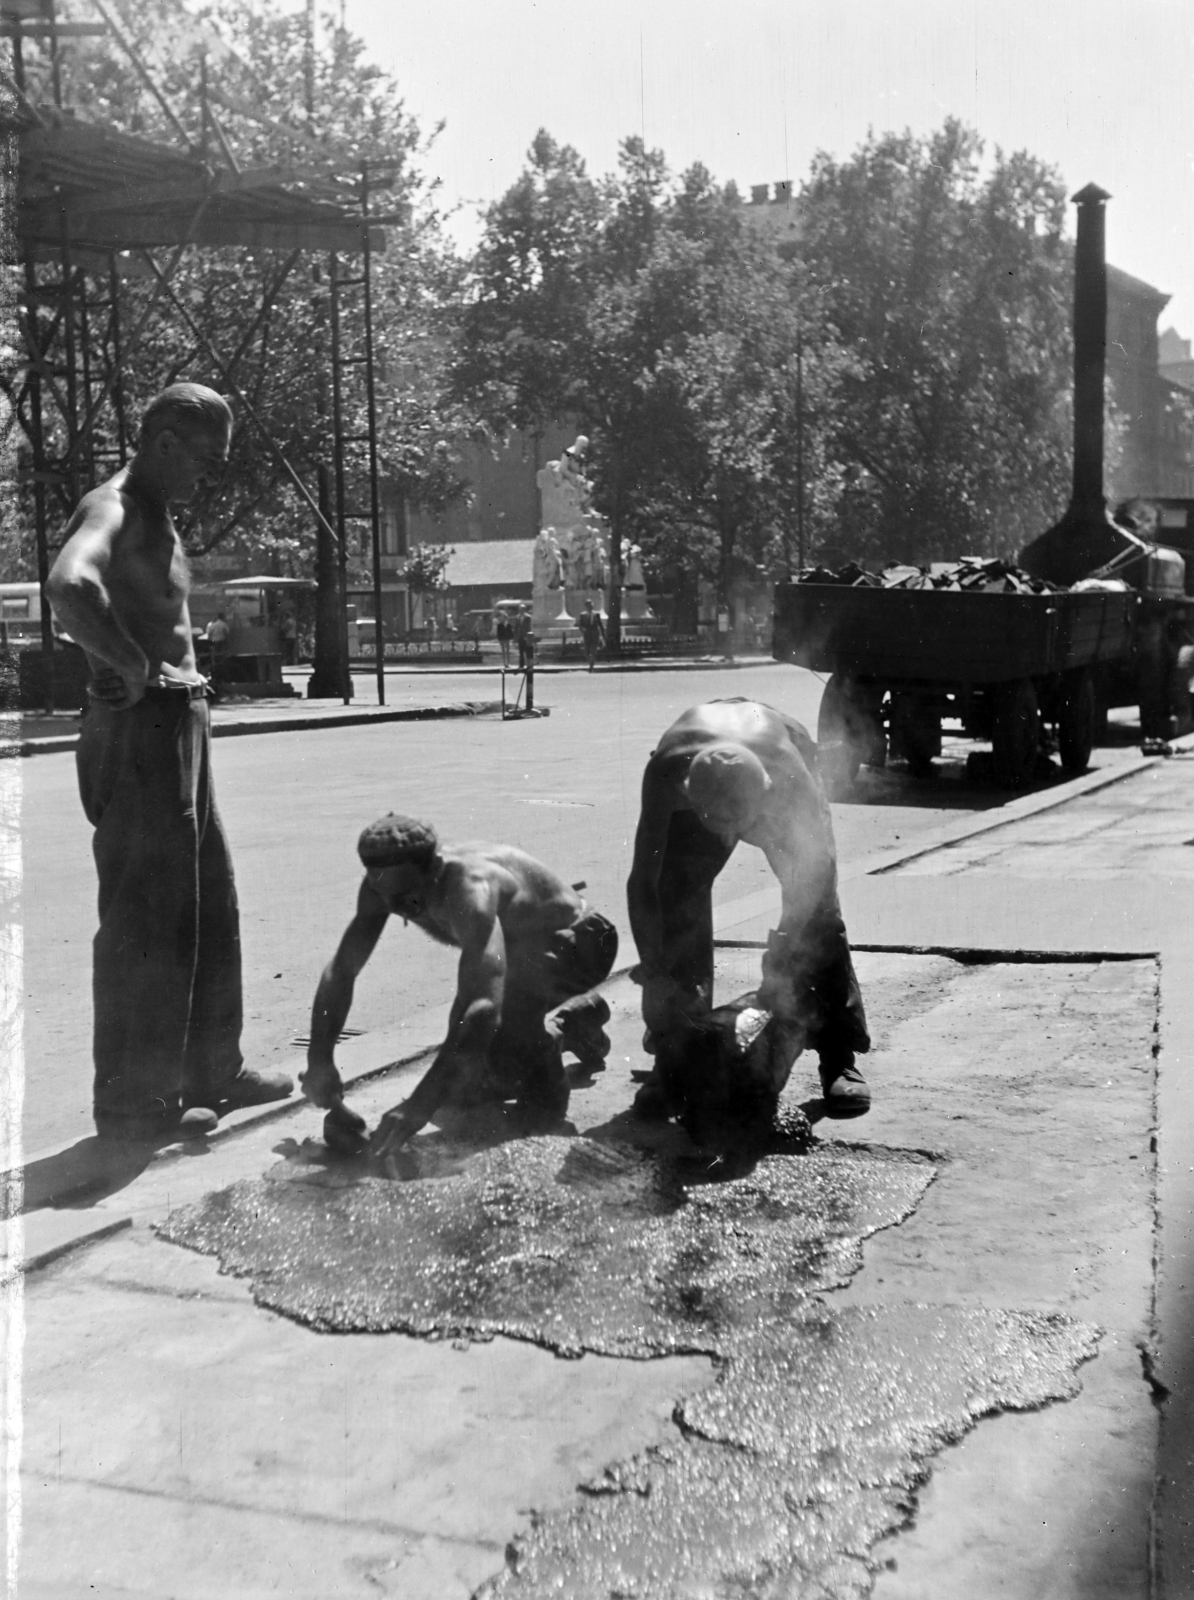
564 787
985 1333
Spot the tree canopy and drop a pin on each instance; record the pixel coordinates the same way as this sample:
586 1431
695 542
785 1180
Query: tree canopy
950 286
247 85
646 309
898 385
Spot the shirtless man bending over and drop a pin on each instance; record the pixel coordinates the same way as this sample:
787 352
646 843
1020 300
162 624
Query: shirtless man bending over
528 944
723 772
166 969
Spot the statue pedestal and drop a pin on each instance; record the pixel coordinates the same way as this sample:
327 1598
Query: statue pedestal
549 613
578 597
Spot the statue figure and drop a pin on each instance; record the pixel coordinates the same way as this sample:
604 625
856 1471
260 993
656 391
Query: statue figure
549 602
578 535
634 587
588 568
562 497
565 490
548 569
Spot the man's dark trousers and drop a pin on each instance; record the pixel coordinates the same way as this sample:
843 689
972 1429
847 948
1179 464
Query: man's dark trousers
166 970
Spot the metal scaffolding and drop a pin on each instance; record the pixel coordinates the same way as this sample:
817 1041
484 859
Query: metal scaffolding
98 209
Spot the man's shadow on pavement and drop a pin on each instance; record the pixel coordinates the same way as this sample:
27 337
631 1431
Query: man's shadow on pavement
88 1171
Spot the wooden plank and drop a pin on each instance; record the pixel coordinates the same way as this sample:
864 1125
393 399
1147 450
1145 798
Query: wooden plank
156 232
134 193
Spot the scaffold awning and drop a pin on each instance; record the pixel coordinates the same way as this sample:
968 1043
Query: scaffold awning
98 189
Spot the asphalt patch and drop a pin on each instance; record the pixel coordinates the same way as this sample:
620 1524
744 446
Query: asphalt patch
572 1243
806 1452
807 1447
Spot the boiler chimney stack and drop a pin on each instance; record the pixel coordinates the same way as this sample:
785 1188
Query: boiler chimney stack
1086 538
1090 349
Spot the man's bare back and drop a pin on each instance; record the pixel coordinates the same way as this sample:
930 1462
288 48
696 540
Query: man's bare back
529 945
724 772
528 899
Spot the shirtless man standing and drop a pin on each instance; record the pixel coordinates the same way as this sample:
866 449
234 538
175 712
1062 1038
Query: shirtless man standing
726 771
528 943
166 972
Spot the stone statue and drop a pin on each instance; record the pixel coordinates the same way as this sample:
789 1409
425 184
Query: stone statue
634 587
588 567
548 600
564 496
548 572
579 538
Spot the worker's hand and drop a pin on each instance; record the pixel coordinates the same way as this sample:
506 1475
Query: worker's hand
119 690
391 1133
344 1132
321 1082
168 675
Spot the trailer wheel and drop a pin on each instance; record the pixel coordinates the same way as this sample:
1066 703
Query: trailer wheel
1181 703
847 734
1015 733
1076 721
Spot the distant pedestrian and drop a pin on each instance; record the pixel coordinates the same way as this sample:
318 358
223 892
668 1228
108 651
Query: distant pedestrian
217 634
592 631
522 636
288 630
505 632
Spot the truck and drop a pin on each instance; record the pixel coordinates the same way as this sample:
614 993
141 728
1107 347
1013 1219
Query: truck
1112 624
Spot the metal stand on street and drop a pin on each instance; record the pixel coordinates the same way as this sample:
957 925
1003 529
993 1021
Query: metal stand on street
517 709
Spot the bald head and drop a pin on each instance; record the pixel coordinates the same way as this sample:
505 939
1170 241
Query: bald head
727 787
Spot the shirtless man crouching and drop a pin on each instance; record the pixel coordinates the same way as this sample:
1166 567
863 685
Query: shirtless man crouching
529 946
728 771
166 959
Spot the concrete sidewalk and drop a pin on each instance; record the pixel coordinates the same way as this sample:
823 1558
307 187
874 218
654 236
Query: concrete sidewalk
181 1441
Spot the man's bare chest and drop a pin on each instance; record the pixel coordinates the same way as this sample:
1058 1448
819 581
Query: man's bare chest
151 574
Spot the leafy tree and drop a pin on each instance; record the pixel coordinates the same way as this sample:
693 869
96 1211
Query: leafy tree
647 311
949 284
543 335
426 568
244 84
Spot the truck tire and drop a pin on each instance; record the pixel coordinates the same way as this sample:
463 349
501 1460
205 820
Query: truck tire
1181 703
1076 721
1015 733
915 733
846 734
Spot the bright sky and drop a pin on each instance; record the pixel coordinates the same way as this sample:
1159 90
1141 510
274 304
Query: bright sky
1102 89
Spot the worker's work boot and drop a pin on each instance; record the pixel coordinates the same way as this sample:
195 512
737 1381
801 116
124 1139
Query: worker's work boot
248 1088
844 1089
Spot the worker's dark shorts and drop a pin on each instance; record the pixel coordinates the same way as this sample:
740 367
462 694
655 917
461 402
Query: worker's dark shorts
579 958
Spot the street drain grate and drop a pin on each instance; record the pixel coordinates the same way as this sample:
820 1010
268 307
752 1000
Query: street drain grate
302 1040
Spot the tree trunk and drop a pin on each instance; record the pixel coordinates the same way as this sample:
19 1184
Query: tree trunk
726 549
330 678
613 633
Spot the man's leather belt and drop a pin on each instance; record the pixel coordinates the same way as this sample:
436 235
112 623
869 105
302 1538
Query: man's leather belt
192 691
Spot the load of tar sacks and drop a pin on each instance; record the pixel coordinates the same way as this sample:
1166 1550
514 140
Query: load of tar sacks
978 574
